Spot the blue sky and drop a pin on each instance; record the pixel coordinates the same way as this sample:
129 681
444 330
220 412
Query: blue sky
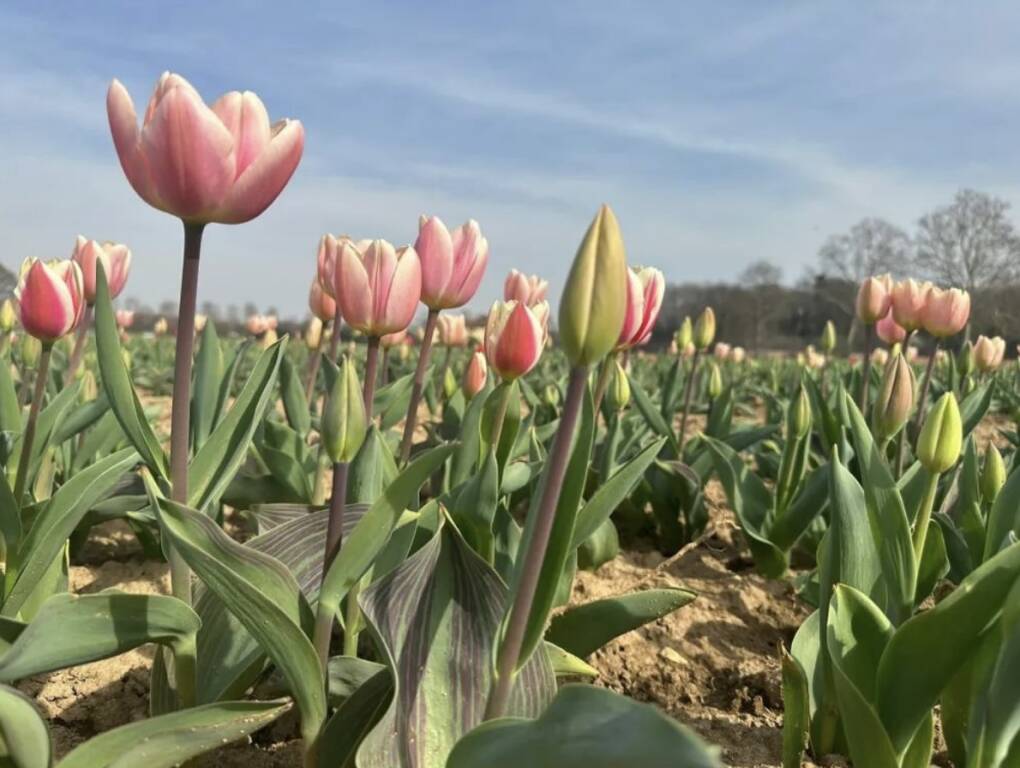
720 132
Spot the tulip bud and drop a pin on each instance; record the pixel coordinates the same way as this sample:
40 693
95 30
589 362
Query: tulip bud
515 335
989 353
715 385
798 416
31 348
594 299
993 474
895 398
475 374
344 420
618 393
704 329
313 333
89 388
965 359
51 298
874 298
946 312
449 383
684 334
828 340
938 446
7 316
551 395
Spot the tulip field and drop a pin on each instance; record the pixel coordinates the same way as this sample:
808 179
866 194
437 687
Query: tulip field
402 539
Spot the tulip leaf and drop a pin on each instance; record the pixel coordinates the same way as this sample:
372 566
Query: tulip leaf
10 406
436 616
81 418
295 404
391 401
805 507
651 414
585 727
117 382
475 508
796 711
47 425
1004 516
172 739
583 629
597 550
974 406
372 469
566 664
208 374
353 719
24 737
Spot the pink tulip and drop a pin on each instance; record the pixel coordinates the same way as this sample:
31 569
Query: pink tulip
453 330
989 353
325 260
125 318
889 330
452 263
946 312
527 289
908 300
645 289
874 298
224 163
722 350
322 305
116 261
51 298
514 337
396 339
378 288
475 374
256 325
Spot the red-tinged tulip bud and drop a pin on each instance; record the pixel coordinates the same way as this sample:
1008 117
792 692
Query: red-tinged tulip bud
475 374
527 289
514 337
938 446
225 163
344 419
993 474
377 288
618 392
684 335
946 312
452 263
889 330
645 289
704 329
908 301
31 349
116 261
798 416
594 299
321 304
8 316
989 353
828 340
895 399
453 330
51 298
874 298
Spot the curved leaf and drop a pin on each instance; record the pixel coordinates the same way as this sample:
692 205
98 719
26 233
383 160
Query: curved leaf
24 738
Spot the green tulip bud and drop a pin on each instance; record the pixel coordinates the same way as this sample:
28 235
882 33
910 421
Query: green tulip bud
938 446
551 395
704 329
684 334
798 416
7 316
715 385
594 300
895 398
450 385
828 340
344 421
31 348
965 359
618 394
993 474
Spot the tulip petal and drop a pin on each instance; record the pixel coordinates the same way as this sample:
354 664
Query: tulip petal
263 180
403 292
519 344
246 118
120 111
434 247
352 289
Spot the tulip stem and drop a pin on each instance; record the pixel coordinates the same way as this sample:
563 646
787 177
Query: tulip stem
79 345
603 381
923 399
371 364
508 658
28 437
688 392
419 385
313 372
501 409
180 407
384 369
334 537
924 517
334 342
444 368
866 375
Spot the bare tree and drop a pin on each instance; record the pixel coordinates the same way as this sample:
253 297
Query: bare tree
871 247
970 243
761 279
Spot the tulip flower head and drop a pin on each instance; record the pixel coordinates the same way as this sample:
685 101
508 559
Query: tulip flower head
116 261
946 312
895 398
704 329
51 298
225 163
377 288
475 374
160 327
721 350
8 316
874 298
256 325
453 330
200 321
527 289
989 353
908 301
738 355
889 330
125 318
514 337
645 289
322 305
452 263
313 334
938 445
993 474
829 338
684 334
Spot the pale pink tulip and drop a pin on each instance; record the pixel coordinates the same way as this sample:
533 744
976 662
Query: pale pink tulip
224 163
125 318
378 288
989 353
51 298
256 325
475 374
889 330
527 289
645 289
738 355
453 330
908 300
514 337
322 305
880 356
874 298
722 350
452 263
946 312
116 261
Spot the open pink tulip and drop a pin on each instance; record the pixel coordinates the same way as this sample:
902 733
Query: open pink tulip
527 289
322 305
908 300
256 325
125 318
452 263
51 298
946 312
514 337
645 289
224 163
873 299
453 330
989 352
889 330
116 261
475 374
378 288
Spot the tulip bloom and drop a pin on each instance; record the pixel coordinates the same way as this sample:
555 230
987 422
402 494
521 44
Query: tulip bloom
125 318
889 330
160 327
514 337
453 331
946 312
645 289
722 350
873 299
225 163
908 301
527 289
51 298
378 289
322 305
475 374
452 263
989 353
256 325
738 355
116 261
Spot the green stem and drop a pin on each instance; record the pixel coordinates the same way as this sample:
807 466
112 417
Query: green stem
419 385
334 537
924 517
28 437
352 617
688 393
79 345
925 384
866 375
371 365
502 406
603 380
186 673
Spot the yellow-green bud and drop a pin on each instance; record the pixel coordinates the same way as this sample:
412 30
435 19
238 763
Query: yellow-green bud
89 388
895 398
828 340
965 359
450 385
798 416
594 300
715 384
993 474
31 348
704 329
344 421
313 334
684 334
551 395
938 446
618 394
7 316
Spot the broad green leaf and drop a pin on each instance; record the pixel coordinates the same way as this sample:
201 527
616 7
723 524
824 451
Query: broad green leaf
10 406
1004 516
47 425
353 719
372 469
583 629
475 508
594 552
974 406
346 674
172 739
934 563
81 418
464 461
651 414
24 737
585 727
803 510
796 711
567 664
208 375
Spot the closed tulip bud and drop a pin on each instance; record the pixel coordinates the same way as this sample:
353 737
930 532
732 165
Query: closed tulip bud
965 359
89 388
551 395
116 261
993 474
452 263
645 289
828 340
895 398
377 289
909 298
946 312
738 355
125 318
938 446
798 416
321 304
515 336
618 393
344 420
269 338
715 385
889 330
31 348
200 321
594 299
475 374
527 289
160 327
51 298
449 383
704 329
453 330
874 298
684 334
313 334
989 353
8 316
